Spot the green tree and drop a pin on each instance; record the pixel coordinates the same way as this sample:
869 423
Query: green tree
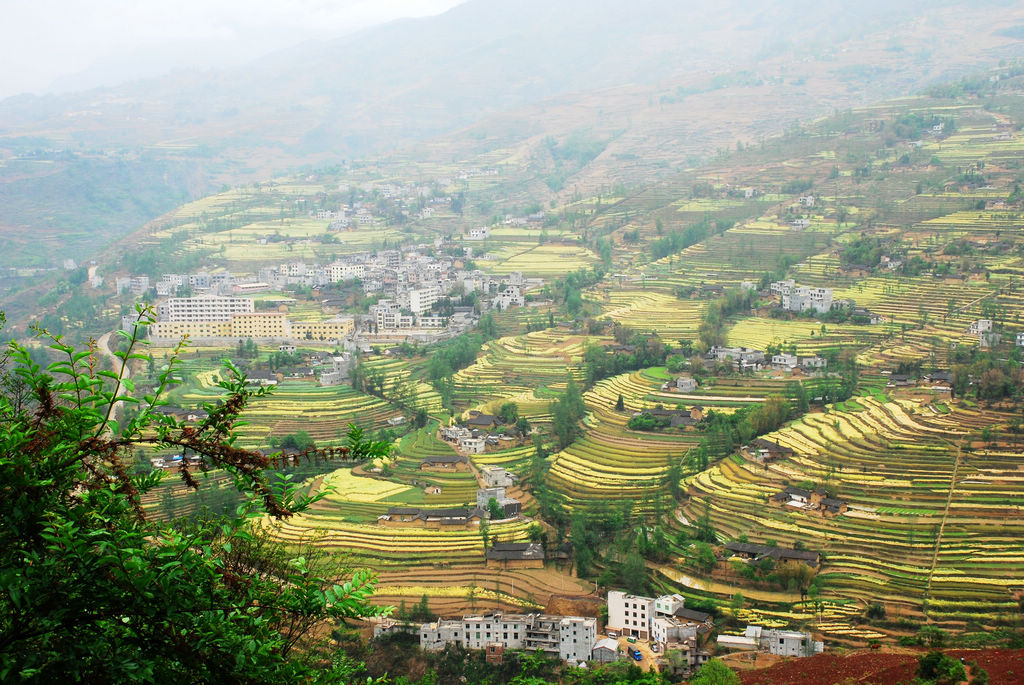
494 509
93 591
714 672
509 412
941 669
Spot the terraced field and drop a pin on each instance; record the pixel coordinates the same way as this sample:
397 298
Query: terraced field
519 365
650 310
893 462
613 462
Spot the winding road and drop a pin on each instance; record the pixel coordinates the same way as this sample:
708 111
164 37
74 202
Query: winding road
103 346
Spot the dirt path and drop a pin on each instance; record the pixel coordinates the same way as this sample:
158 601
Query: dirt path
942 524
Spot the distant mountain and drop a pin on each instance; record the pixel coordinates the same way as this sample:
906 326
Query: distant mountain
388 87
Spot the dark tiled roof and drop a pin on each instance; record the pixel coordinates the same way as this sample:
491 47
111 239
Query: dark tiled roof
774 552
516 551
445 459
697 616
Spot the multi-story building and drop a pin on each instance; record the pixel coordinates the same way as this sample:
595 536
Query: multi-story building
260 325
205 308
802 298
340 367
345 271
388 316
664 619
630 614
331 329
423 298
572 638
176 330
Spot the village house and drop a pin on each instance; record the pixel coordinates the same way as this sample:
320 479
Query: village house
831 505
939 380
784 362
472 445
454 433
497 476
510 506
754 553
447 462
606 650
798 498
766 451
511 296
515 555
802 298
742 358
478 420
817 500
862 313
813 363
980 326
680 384
447 519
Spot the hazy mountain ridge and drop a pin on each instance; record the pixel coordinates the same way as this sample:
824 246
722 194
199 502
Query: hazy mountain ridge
487 75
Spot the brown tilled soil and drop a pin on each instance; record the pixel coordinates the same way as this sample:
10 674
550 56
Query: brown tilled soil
866 667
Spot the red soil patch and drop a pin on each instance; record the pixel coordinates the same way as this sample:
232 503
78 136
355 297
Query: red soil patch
1004 666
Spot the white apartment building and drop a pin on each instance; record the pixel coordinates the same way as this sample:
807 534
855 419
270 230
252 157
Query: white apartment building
482 233
576 638
630 614
388 315
206 308
423 298
343 271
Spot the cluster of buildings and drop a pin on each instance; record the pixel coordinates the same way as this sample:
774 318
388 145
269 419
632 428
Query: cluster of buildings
474 440
457 517
747 359
664 621
235 318
570 638
409 282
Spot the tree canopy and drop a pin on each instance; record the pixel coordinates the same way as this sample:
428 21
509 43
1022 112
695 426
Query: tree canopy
92 590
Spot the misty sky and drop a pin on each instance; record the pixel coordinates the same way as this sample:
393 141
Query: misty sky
62 45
